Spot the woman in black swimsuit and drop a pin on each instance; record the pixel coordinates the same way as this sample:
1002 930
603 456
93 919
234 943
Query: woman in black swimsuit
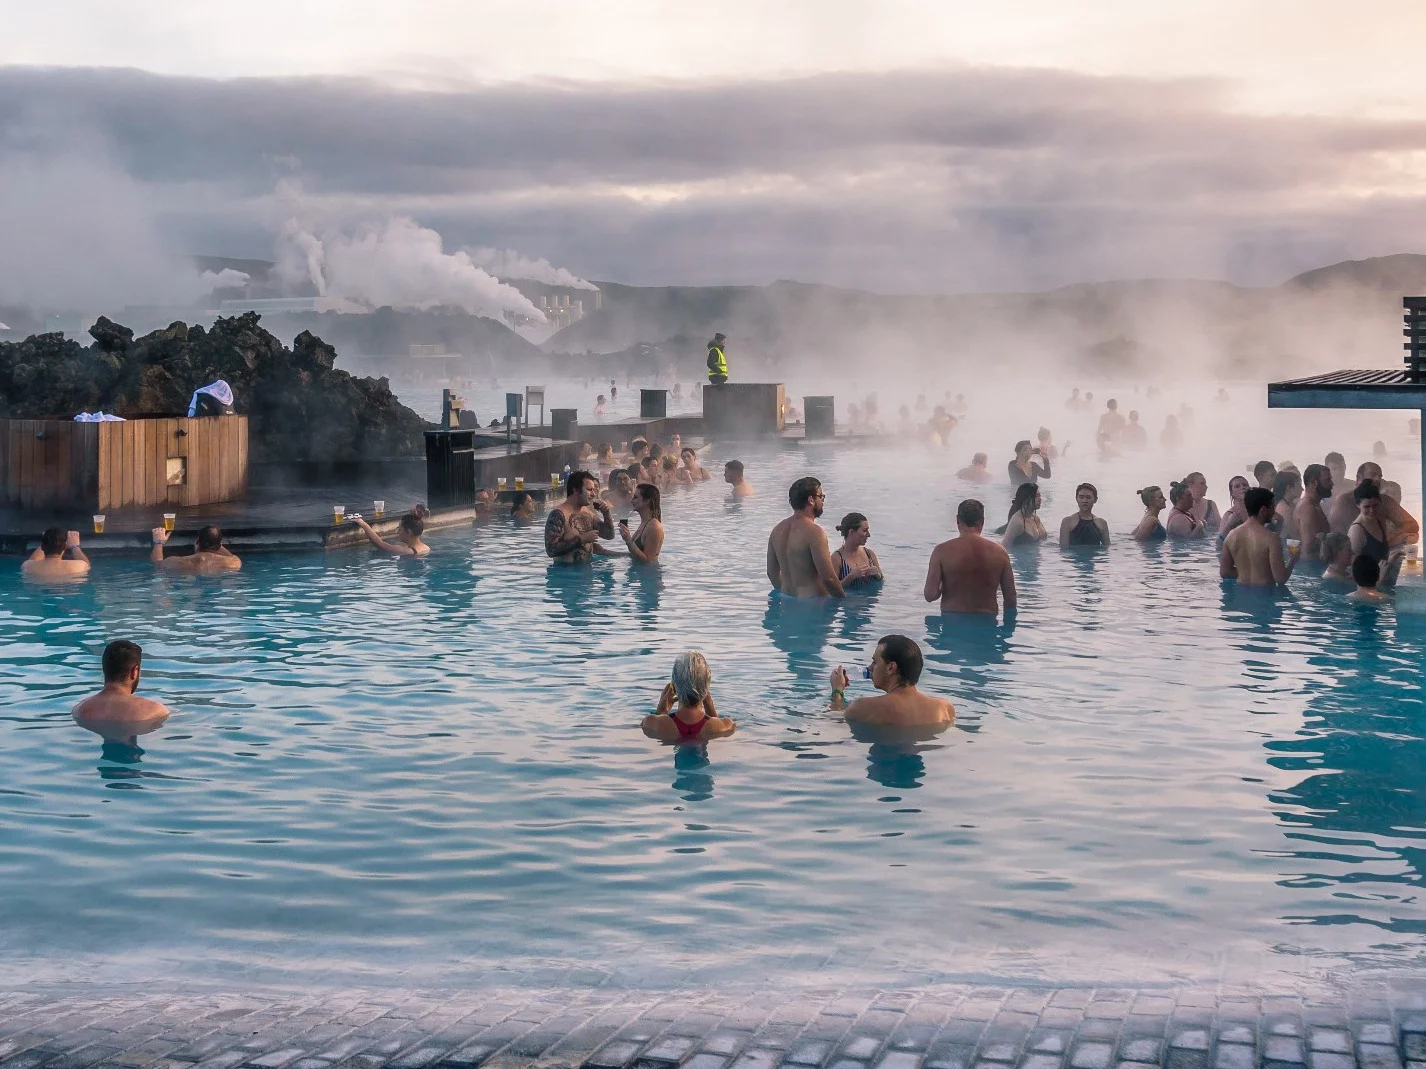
646 543
1150 529
1368 531
1028 466
1024 526
1084 528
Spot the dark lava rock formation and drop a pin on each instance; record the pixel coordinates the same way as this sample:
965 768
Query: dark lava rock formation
300 408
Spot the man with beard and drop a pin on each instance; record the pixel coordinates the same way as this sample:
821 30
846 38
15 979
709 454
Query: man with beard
799 562
1312 522
1402 528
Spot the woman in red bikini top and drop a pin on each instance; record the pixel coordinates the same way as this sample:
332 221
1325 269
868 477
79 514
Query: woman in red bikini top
686 712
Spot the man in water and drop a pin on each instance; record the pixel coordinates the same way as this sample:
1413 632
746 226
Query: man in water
1337 465
1312 522
1135 436
733 476
895 667
577 523
116 711
58 557
1366 573
1265 474
966 571
1111 423
1252 552
977 472
209 556
1402 529
799 561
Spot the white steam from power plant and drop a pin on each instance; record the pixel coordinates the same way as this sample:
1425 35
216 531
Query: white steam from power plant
507 263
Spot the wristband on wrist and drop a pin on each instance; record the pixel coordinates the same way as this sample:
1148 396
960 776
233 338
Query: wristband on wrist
838 692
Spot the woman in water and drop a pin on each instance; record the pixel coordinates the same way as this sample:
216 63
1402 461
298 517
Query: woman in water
1287 492
1368 531
645 543
1205 510
854 561
1236 514
1084 528
696 472
1182 524
686 712
1150 529
606 459
1336 552
1024 526
1029 466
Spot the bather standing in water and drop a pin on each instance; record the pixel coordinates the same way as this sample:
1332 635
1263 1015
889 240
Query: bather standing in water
1236 514
1336 553
1149 528
896 666
1084 528
1205 510
856 561
408 536
1028 466
58 557
733 476
1023 526
967 571
209 556
117 712
1404 528
1310 521
799 562
1182 524
979 470
1368 532
1265 472
646 543
1287 492
1252 553
575 526
686 712
1366 574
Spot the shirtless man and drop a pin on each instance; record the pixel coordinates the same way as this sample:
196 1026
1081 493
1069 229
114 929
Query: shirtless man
895 667
116 712
1312 522
966 571
209 556
1403 528
1111 423
59 557
1265 474
1252 553
577 523
733 476
978 472
799 562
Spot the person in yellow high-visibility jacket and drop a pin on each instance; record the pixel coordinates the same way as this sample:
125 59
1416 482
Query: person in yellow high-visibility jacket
717 361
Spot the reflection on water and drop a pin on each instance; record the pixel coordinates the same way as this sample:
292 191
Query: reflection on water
397 765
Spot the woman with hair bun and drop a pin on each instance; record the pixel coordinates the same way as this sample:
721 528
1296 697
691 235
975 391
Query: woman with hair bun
854 560
1183 525
1150 529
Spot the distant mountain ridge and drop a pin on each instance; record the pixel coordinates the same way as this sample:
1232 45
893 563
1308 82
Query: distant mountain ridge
1336 316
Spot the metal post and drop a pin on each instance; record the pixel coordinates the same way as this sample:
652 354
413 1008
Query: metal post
445 410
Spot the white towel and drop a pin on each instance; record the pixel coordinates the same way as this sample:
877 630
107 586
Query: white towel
219 391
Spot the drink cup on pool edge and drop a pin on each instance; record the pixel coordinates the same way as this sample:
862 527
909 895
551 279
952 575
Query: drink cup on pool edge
554 480
378 508
98 523
169 518
339 513
500 483
519 482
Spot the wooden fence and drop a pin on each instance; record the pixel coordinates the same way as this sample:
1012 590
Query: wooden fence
58 464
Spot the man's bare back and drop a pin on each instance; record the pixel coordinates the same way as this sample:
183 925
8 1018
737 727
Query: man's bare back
967 571
116 705
799 560
1253 555
908 707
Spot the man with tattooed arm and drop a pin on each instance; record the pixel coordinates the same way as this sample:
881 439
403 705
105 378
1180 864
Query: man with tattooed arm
576 524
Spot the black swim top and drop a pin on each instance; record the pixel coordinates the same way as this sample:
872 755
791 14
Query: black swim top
1025 538
1374 547
1158 534
1086 533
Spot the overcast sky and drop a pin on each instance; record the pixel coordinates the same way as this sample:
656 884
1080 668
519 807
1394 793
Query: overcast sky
930 147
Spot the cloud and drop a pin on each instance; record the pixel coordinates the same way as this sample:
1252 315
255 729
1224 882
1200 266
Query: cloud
947 179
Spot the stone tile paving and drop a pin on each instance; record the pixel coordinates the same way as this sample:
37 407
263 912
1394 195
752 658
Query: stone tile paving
960 1027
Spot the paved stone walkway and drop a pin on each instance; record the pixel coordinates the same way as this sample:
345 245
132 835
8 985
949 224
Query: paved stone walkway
966 1027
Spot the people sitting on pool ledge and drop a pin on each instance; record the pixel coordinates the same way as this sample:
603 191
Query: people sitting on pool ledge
1084 528
856 561
117 712
686 712
1149 528
209 556
967 571
408 536
799 562
646 543
1182 524
576 524
58 557
733 476
896 667
1024 527
1252 553
978 472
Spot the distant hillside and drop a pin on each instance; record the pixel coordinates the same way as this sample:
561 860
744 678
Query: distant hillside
1346 314
387 332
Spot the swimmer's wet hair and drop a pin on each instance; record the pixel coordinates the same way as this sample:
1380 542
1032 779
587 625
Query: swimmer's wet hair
1365 570
979 458
1147 493
691 677
120 658
210 539
1024 443
574 482
1333 542
905 654
802 491
850 522
734 465
1087 486
650 493
1365 491
414 525
1338 457
53 541
1023 501
1256 499
1262 467
971 513
1177 491
521 496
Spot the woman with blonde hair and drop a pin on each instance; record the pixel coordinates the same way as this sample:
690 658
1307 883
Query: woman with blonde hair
686 712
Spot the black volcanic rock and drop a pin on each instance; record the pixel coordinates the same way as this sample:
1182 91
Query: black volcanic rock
299 407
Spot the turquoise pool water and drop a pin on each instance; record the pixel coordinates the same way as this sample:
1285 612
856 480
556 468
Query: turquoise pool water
384 769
